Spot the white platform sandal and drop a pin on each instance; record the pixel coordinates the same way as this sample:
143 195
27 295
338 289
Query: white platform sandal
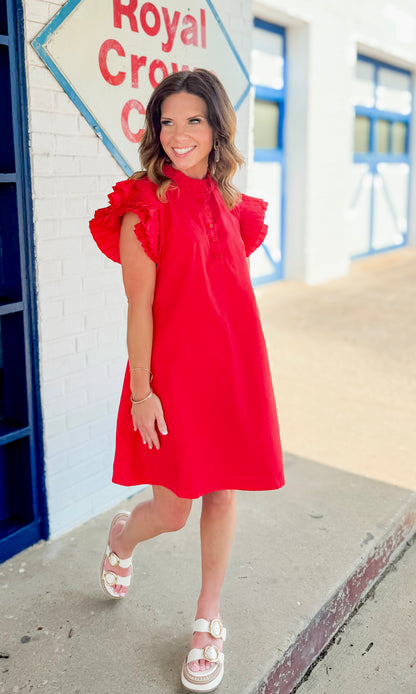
109 579
206 680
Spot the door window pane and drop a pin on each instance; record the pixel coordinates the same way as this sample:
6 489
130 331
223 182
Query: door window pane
398 137
362 134
383 130
393 91
266 124
364 84
267 59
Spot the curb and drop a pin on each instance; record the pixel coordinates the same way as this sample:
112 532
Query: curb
288 672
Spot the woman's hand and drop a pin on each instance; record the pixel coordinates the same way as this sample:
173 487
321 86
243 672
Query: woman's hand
144 417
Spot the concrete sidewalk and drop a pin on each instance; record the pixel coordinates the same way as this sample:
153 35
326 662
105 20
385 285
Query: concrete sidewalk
303 556
375 652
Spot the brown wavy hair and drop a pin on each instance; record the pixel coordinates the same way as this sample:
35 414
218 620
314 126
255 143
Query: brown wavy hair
221 118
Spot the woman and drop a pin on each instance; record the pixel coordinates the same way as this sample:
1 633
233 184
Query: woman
197 415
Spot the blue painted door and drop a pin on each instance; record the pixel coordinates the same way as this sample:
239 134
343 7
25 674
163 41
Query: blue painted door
23 518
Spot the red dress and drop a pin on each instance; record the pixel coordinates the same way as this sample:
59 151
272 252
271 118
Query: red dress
209 358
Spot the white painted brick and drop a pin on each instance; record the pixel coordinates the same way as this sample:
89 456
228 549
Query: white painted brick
86 341
49 269
47 208
44 186
72 146
91 412
83 302
64 287
42 164
53 389
39 11
60 327
63 103
53 426
42 121
55 249
42 78
75 207
70 166
42 98
51 309
42 143
47 228
63 366
77 184
59 348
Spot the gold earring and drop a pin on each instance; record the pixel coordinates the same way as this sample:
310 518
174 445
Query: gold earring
217 151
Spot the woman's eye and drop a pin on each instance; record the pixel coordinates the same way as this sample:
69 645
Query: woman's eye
195 120
165 122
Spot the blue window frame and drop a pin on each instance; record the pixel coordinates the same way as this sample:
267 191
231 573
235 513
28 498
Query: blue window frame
23 517
269 120
383 115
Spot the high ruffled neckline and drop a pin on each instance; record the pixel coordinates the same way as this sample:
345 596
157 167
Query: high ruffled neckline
194 185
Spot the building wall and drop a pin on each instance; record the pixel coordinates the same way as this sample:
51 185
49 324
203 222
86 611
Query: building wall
81 303
323 39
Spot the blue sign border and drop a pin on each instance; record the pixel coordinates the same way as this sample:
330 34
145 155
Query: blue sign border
40 41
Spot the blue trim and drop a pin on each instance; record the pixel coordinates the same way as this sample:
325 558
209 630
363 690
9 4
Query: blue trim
382 115
263 154
374 159
40 40
378 251
269 94
268 26
380 63
37 528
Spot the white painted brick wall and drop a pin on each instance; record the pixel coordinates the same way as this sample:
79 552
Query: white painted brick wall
81 303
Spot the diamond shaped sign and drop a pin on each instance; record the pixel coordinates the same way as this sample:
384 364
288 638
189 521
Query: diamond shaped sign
109 55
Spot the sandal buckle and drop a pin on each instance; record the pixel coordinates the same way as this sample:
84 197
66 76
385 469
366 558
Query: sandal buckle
110 578
211 653
113 559
215 628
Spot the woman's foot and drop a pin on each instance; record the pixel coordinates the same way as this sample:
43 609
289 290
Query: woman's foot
117 551
201 640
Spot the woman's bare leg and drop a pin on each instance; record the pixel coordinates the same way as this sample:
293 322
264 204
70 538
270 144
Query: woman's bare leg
218 520
166 512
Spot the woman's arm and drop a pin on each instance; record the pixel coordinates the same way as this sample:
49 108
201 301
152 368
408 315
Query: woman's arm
139 277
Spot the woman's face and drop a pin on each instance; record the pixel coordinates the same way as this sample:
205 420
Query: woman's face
185 134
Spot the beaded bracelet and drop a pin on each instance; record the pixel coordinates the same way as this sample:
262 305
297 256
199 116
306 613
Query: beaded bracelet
137 402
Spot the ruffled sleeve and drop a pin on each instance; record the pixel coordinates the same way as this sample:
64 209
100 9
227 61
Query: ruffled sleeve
132 195
250 213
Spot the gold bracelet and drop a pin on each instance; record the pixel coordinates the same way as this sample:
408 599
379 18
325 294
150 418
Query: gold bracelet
142 368
137 402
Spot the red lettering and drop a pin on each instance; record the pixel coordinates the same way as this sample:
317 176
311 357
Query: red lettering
128 11
157 65
107 46
203 30
132 105
190 36
171 28
136 64
146 8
